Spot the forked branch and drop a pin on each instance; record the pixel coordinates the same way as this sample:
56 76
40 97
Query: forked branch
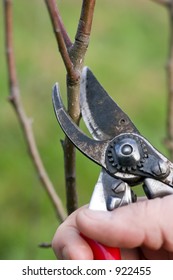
73 56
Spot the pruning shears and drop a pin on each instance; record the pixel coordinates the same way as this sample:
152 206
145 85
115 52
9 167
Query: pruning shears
125 156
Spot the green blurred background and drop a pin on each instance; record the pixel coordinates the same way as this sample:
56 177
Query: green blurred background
128 51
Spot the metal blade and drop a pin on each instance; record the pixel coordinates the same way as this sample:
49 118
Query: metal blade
95 150
102 116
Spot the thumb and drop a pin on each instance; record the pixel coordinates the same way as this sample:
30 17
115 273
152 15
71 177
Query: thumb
145 223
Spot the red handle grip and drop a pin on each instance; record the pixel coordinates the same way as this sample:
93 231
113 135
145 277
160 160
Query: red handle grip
102 252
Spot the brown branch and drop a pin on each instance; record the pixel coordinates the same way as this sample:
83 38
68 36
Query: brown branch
73 58
57 22
23 119
45 245
77 54
165 3
169 140
68 148
83 32
62 37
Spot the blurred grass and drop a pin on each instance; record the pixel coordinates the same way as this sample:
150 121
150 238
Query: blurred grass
127 52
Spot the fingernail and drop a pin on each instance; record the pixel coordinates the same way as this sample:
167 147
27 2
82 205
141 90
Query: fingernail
65 254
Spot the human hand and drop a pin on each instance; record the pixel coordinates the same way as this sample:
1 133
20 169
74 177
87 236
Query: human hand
143 230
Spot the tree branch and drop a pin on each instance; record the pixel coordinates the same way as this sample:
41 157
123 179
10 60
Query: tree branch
23 119
77 54
169 140
57 22
74 63
61 36
83 32
165 3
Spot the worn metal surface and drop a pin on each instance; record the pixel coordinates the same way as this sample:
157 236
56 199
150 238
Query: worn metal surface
103 117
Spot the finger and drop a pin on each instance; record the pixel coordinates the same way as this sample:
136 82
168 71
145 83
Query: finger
145 223
68 244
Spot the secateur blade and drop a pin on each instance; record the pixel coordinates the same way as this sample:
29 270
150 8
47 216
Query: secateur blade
102 116
95 150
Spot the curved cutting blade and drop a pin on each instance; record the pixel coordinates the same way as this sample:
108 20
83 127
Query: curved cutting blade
102 116
93 149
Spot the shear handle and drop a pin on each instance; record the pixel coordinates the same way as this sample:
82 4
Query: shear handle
102 252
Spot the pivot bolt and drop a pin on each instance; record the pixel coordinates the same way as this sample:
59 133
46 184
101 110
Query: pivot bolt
127 152
127 149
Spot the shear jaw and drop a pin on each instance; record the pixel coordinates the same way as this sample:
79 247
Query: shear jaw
95 150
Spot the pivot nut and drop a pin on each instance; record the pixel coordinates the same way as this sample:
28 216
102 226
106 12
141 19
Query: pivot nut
127 152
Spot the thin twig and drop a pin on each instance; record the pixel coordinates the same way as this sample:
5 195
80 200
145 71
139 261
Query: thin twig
62 37
45 245
169 140
68 148
23 119
57 22
165 3
73 58
77 54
